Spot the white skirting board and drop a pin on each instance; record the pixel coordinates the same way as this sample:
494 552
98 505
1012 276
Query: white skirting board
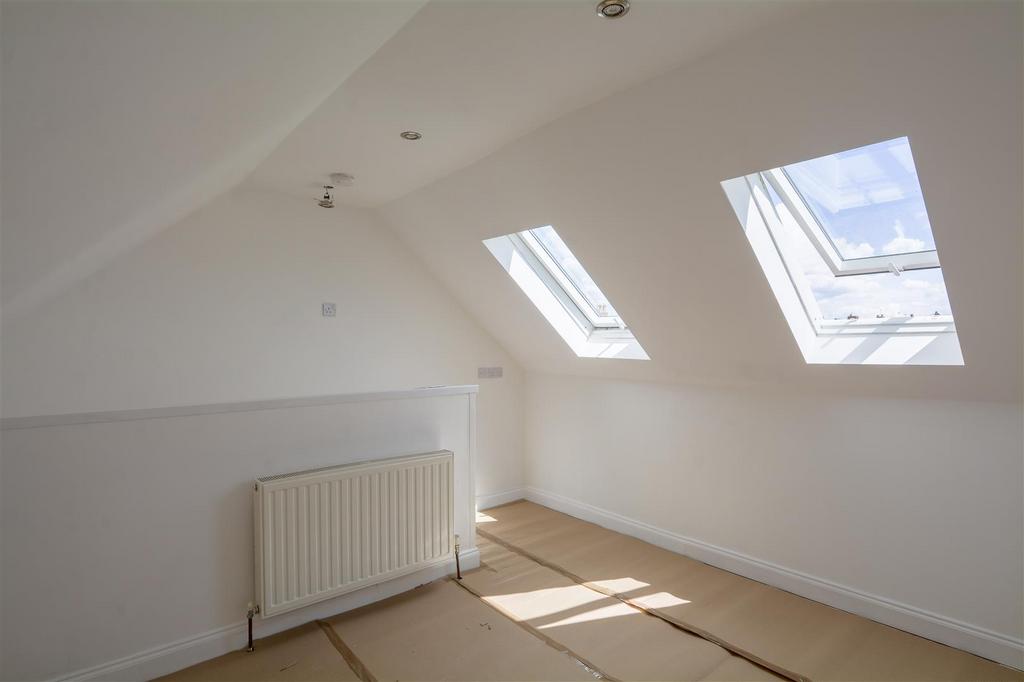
495 499
168 658
992 645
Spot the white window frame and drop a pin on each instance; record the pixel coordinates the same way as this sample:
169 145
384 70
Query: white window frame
586 332
822 242
565 284
930 340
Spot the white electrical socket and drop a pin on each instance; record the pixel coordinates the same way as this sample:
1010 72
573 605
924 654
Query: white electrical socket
329 309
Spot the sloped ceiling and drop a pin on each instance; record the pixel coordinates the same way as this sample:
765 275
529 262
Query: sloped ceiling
119 118
632 185
474 75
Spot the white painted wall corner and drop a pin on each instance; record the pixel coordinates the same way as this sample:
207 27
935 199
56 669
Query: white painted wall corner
498 499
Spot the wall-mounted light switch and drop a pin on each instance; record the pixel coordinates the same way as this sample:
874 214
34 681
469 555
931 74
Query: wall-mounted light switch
329 309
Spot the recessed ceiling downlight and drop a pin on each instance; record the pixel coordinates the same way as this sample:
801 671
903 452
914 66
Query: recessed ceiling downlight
612 9
410 135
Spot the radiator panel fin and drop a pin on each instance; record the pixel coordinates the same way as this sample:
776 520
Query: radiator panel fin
325 532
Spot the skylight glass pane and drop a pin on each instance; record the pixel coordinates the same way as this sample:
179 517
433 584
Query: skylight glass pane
572 269
868 200
542 266
917 293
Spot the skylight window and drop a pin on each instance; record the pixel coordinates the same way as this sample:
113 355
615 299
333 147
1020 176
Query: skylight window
867 200
554 248
557 283
847 247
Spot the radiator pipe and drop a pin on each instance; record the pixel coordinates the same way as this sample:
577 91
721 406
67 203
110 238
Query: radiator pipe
458 569
253 610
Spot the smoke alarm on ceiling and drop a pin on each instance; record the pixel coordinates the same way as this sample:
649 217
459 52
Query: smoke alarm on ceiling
612 9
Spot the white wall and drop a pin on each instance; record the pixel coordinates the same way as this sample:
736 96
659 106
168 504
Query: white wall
129 543
916 501
143 112
222 307
768 459
225 306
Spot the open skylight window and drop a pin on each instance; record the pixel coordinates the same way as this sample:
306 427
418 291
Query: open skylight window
854 195
848 250
556 282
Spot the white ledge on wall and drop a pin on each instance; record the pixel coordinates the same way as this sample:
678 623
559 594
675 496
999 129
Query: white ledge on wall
39 421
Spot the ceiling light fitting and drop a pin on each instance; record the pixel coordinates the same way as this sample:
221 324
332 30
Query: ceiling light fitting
410 135
612 9
326 201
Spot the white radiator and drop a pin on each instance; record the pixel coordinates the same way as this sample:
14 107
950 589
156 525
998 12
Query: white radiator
325 532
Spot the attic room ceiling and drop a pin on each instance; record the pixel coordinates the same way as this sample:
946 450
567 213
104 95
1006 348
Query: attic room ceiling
664 243
120 118
472 76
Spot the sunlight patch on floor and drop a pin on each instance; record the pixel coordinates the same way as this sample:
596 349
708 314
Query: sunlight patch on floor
612 611
544 602
618 585
660 600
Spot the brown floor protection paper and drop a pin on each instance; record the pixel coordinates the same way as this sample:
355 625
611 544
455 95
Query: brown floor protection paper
442 632
302 654
621 641
803 637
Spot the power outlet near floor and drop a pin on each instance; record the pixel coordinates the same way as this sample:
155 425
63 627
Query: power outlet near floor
329 309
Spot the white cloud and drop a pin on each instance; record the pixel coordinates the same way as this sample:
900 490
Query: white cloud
901 243
851 250
868 295
865 295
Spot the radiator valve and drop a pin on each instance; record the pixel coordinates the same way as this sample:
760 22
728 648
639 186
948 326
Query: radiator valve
458 569
253 610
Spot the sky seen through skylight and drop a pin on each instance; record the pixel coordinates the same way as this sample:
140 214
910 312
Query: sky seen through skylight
869 203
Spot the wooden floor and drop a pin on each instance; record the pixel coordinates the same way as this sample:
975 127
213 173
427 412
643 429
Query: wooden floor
560 599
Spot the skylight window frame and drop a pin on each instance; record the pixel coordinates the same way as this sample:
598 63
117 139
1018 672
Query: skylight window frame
554 287
551 291
808 222
564 286
932 324
922 340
